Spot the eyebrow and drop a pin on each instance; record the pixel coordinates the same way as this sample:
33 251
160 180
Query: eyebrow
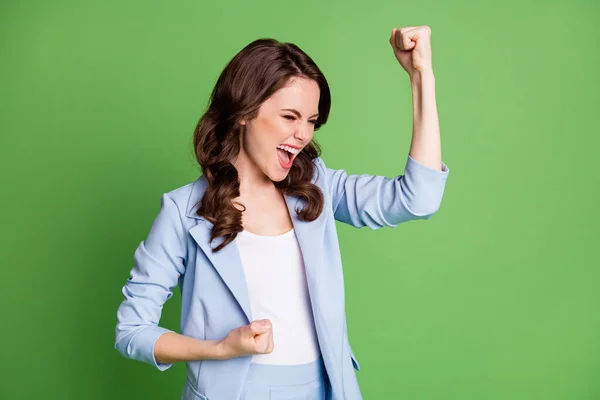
298 113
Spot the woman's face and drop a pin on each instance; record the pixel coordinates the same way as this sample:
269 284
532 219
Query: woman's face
277 124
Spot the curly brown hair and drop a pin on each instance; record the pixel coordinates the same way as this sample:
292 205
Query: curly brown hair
251 77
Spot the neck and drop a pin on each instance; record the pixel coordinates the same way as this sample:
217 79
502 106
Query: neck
252 179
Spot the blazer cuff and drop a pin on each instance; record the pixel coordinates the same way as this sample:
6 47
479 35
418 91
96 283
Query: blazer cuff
146 339
425 171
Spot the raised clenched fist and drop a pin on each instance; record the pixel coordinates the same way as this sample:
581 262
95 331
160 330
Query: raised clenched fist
412 48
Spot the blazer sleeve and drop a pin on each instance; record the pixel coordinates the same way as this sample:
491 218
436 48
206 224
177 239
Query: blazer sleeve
377 201
159 261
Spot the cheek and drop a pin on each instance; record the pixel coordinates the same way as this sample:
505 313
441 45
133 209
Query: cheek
280 128
263 138
267 134
276 131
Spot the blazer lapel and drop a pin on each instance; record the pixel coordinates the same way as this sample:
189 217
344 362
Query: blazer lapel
306 239
227 262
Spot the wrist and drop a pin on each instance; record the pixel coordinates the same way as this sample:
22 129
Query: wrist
221 350
417 77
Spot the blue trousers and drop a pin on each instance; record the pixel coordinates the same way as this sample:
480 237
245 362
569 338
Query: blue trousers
286 382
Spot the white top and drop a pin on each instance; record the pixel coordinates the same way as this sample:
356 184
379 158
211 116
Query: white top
277 287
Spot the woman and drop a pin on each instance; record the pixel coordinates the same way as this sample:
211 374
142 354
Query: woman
252 242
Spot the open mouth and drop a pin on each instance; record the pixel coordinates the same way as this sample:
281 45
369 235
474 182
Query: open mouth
286 155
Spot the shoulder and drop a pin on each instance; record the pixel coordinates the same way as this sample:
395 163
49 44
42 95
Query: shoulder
320 170
185 197
318 162
322 173
181 194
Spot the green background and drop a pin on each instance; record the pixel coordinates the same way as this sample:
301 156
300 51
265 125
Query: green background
495 297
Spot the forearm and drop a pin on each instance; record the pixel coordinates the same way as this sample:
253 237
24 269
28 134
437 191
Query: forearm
426 142
172 347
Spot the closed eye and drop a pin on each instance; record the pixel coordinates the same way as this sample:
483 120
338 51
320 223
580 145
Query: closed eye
294 118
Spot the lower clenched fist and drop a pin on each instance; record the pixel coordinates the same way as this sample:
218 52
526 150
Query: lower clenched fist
254 338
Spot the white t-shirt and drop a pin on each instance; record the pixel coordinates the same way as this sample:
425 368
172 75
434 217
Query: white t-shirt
277 287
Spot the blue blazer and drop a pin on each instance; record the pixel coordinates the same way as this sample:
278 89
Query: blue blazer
215 299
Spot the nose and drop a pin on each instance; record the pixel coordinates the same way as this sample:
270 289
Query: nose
303 134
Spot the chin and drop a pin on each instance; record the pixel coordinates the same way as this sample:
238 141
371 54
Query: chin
278 177
276 173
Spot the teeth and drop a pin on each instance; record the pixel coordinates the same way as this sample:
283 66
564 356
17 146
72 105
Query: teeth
289 149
